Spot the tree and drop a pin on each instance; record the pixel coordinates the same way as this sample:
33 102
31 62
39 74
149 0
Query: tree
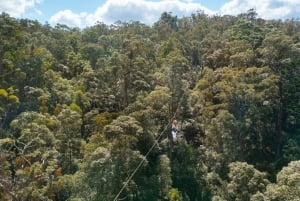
189 171
166 24
69 140
229 112
9 104
80 109
164 180
277 49
33 168
153 109
108 165
286 187
244 181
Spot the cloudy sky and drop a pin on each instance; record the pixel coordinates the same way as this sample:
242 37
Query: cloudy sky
82 13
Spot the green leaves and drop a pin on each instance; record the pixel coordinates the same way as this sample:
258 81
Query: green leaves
34 160
287 185
244 182
229 103
79 109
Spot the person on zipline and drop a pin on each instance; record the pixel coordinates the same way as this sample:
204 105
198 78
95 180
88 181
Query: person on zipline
174 130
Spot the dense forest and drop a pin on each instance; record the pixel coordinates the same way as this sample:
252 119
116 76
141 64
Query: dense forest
81 110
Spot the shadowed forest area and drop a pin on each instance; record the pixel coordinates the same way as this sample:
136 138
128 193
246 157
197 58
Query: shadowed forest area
80 109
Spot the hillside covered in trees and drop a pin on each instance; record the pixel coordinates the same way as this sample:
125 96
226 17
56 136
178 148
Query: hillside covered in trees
80 110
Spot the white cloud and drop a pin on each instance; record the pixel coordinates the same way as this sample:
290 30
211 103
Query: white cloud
16 8
267 9
39 12
126 10
149 11
67 17
142 10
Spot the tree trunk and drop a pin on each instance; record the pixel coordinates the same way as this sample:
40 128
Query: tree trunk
279 123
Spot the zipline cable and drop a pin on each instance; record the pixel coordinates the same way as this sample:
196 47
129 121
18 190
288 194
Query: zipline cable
146 155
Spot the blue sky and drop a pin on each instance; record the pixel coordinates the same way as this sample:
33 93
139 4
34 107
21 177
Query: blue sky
82 13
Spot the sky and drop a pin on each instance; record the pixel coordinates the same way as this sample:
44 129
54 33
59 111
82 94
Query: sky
83 13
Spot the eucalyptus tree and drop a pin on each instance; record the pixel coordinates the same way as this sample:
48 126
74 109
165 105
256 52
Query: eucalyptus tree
244 183
284 188
69 140
279 51
109 160
227 102
32 168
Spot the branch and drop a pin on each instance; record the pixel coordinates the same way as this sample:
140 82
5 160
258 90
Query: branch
8 191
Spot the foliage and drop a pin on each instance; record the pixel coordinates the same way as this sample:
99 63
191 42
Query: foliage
80 110
286 187
244 181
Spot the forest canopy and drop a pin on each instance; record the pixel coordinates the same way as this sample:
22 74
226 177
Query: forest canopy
80 110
